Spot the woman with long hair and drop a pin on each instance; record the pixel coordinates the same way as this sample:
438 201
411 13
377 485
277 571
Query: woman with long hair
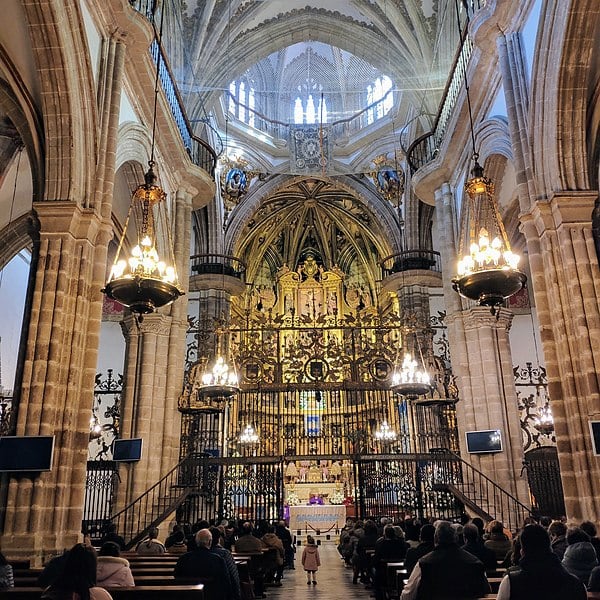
78 579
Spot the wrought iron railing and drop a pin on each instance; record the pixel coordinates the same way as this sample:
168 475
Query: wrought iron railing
155 504
101 481
411 259
6 414
199 150
426 147
477 491
217 264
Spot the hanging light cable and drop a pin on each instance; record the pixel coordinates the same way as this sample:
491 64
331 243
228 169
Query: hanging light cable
486 272
142 281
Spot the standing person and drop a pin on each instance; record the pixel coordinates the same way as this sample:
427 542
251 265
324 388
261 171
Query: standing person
78 579
311 561
6 574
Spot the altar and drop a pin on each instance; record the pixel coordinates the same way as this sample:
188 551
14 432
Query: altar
323 517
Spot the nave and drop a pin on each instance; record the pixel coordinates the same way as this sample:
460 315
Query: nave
334 580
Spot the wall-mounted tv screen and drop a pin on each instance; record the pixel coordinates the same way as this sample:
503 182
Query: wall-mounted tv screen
26 453
127 450
480 442
595 433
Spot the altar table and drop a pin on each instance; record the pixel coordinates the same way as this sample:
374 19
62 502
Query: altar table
323 517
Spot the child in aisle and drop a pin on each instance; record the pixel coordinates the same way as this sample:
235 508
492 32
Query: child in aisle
311 560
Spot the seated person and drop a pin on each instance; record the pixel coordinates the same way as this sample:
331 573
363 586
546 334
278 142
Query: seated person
203 566
111 535
78 578
113 571
151 545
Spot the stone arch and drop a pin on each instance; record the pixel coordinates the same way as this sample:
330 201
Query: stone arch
17 235
381 210
68 95
17 104
567 30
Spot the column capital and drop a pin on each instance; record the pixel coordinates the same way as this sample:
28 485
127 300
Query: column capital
65 217
481 316
565 208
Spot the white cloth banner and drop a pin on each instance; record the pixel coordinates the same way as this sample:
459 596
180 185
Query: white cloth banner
317 516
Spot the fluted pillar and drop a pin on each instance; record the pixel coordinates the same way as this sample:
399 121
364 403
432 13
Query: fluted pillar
564 268
143 403
44 512
482 363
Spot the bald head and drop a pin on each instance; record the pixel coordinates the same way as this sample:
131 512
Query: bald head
204 538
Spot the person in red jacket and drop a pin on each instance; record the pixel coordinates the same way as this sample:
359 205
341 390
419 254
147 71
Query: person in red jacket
311 560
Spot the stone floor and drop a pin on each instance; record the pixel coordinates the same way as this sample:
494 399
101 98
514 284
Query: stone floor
334 580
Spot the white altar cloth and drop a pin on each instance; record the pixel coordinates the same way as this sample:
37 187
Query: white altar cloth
323 517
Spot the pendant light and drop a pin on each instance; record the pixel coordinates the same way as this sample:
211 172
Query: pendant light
146 279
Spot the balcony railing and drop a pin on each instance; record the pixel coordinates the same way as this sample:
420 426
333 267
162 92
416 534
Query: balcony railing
217 264
409 260
426 147
200 151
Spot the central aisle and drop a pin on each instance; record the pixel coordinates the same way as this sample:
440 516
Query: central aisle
334 580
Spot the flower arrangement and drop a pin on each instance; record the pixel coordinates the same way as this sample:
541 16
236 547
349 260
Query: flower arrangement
292 498
337 497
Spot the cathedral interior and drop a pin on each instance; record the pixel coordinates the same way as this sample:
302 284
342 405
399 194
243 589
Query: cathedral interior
257 254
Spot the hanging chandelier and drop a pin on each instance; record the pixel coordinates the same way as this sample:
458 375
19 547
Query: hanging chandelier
220 380
248 436
544 422
384 433
410 380
142 281
488 273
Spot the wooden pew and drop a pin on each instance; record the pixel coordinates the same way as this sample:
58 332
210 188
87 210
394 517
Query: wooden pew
174 592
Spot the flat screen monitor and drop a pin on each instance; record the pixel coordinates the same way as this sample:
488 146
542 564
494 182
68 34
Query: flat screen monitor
481 442
26 453
595 433
127 450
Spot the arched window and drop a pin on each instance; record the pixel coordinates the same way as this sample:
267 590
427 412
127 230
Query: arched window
231 103
298 112
310 110
381 96
386 86
242 102
251 106
370 100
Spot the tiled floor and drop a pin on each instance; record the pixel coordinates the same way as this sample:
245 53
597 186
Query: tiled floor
334 581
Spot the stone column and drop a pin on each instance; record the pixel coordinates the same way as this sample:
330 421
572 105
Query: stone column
564 268
143 406
43 513
482 363
182 225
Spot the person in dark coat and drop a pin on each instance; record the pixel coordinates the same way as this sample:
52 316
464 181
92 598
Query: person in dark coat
425 547
558 538
389 548
232 569
474 544
580 557
111 535
446 573
590 529
539 574
203 566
